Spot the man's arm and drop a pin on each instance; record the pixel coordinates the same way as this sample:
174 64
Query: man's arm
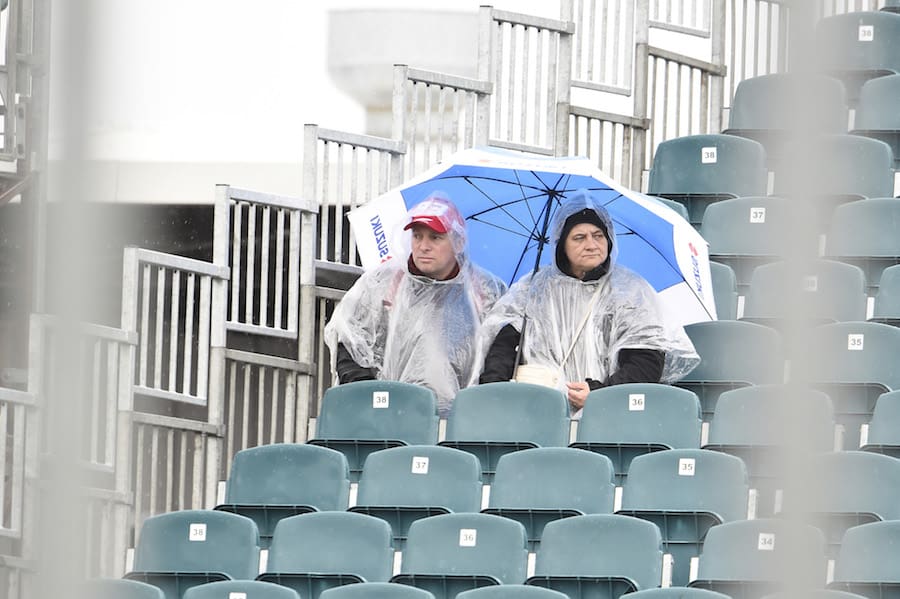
348 370
635 366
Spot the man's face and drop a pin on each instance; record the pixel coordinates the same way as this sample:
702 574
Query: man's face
432 252
586 248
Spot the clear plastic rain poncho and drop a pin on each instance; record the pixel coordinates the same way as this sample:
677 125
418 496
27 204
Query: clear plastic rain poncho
412 328
626 314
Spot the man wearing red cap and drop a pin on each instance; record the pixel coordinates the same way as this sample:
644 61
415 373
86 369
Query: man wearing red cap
415 320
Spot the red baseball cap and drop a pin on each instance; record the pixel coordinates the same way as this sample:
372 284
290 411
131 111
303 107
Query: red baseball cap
437 213
429 220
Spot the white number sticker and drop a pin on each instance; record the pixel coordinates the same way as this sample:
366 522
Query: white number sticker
811 283
467 537
686 467
420 465
757 215
636 402
855 341
197 532
866 33
766 541
709 155
381 399
237 595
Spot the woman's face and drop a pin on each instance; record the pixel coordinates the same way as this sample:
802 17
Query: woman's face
586 248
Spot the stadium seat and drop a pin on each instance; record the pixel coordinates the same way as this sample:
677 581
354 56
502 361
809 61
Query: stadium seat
511 591
806 292
858 46
402 484
814 594
733 354
537 486
118 588
698 170
240 589
178 550
625 421
867 562
866 234
271 482
761 423
452 553
677 593
374 590
725 290
876 114
891 6
685 492
843 489
752 558
599 555
854 363
359 418
678 207
843 168
883 434
497 418
747 232
886 308
752 115
319 550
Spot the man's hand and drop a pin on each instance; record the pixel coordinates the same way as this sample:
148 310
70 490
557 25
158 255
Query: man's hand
578 392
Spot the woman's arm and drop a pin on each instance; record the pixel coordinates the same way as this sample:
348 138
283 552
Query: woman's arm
635 366
500 362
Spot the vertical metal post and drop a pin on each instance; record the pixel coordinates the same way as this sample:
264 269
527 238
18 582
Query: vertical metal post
717 82
563 91
641 83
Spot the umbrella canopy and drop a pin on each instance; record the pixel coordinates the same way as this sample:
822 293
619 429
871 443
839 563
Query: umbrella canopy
508 200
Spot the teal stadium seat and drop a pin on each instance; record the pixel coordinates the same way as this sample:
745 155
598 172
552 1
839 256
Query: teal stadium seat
733 354
761 424
752 115
844 489
698 170
858 46
375 590
118 588
866 234
891 6
537 486
884 429
402 484
178 550
677 593
854 363
240 589
625 421
452 553
877 115
511 591
320 550
808 292
599 555
271 482
752 558
365 416
678 207
747 232
886 307
497 418
867 562
685 492
725 290
814 594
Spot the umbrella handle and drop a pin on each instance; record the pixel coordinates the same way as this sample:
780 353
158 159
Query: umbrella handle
521 343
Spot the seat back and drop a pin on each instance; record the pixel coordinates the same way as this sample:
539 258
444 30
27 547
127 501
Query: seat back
118 588
242 589
864 233
677 593
732 354
869 554
707 168
814 290
403 484
496 418
454 552
768 553
375 590
876 114
886 308
884 428
600 546
623 421
511 591
319 550
364 416
725 291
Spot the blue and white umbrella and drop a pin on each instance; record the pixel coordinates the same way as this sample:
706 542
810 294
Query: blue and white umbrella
508 200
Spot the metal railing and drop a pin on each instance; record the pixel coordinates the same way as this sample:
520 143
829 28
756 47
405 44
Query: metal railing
603 43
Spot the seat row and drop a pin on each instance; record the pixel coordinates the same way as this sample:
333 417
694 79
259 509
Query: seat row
599 555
